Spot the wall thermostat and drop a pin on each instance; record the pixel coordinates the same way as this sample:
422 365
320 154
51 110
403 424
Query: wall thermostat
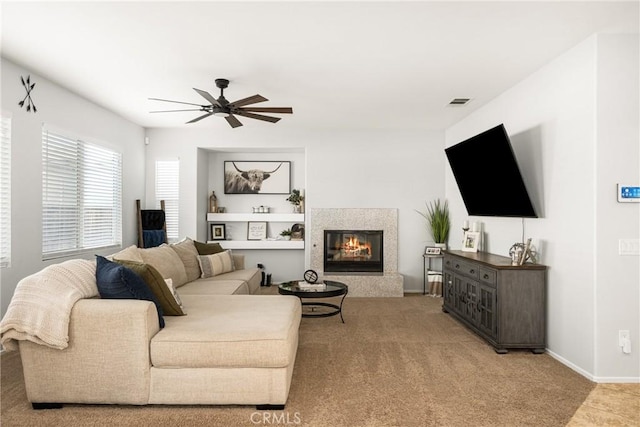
628 193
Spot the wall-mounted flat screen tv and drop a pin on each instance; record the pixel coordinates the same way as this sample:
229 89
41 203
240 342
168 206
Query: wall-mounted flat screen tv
488 176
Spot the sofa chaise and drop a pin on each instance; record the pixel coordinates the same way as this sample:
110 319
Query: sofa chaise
229 347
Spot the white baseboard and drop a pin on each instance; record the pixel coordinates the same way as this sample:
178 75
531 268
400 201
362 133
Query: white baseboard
589 375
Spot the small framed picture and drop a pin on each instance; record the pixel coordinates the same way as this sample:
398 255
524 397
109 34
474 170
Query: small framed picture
432 250
257 230
218 232
471 241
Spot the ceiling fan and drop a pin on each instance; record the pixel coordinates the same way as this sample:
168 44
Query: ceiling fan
223 108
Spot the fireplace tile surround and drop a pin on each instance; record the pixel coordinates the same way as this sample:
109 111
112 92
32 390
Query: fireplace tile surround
390 282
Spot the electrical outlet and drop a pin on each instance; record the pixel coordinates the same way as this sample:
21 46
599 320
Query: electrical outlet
624 341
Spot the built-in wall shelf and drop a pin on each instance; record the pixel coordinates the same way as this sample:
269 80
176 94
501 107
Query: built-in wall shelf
258 217
260 244
245 217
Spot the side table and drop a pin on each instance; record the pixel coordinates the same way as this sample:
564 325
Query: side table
426 266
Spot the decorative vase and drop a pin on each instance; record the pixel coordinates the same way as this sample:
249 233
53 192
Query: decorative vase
297 209
443 246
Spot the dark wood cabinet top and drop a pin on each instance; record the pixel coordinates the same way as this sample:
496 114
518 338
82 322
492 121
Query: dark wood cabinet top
494 261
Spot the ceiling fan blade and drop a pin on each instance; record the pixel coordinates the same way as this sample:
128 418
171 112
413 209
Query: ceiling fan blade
250 100
258 116
206 95
287 110
200 118
177 102
233 121
174 111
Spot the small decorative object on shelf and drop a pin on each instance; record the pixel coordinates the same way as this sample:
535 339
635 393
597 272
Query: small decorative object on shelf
521 252
432 250
296 198
218 232
257 231
471 241
297 232
213 203
286 234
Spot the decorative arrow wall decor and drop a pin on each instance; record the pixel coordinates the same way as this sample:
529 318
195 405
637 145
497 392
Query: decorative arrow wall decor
28 86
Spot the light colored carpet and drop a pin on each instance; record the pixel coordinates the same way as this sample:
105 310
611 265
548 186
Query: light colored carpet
395 362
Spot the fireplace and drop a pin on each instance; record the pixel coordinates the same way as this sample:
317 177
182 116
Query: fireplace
353 251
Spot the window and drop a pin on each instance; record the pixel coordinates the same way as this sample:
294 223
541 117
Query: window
81 196
167 189
5 191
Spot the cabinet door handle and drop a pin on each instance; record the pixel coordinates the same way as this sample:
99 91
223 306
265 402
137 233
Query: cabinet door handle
486 276
472 271
457 265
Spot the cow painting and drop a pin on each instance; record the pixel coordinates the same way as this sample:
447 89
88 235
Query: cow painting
249 180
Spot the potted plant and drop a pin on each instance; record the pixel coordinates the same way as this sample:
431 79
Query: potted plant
437 215
296 199
286 234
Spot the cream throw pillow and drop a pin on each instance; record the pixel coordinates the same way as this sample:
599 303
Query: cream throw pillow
212 265
167 262
175 294
188 253
128 254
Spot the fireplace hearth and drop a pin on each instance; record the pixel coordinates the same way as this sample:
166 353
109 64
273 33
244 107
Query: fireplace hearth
353 251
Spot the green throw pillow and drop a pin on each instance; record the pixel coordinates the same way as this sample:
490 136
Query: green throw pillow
158 286
208 248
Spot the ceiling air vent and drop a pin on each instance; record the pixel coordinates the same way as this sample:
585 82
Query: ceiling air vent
459 101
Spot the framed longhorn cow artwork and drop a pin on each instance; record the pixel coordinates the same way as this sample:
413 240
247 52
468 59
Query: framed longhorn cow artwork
257 177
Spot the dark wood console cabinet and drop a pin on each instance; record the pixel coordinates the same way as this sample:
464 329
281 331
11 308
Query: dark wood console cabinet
504 304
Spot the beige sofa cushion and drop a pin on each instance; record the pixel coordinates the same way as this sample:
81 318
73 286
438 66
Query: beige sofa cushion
130 253
167 262
229 331
188 253
215 287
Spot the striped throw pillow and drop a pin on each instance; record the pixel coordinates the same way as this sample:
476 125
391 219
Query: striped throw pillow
212 265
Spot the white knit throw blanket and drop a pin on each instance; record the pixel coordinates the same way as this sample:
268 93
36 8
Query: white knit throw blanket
41 305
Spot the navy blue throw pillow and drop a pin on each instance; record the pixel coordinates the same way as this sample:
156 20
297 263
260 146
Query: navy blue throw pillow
116 281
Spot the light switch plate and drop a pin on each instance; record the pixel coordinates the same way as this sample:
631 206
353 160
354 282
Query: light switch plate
629 246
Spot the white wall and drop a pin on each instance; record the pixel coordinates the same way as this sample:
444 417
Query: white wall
618 161
351 169
64 110
561 124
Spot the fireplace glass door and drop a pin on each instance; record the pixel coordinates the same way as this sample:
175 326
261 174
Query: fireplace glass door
353 251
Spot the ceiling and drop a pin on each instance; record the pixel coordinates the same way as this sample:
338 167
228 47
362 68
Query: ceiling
346 65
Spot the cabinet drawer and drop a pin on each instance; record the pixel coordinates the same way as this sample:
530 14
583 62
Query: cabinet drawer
466 268
488 276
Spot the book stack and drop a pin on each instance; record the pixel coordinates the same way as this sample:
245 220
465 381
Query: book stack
315 286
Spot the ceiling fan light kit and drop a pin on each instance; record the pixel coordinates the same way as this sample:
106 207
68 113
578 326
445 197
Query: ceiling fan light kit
222 108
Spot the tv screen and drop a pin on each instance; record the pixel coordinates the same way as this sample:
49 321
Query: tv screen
488 176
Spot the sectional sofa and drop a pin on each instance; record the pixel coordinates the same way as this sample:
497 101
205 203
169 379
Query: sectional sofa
229 346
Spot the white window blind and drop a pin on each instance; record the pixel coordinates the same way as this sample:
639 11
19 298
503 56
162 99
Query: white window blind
5 191
167 189
81 196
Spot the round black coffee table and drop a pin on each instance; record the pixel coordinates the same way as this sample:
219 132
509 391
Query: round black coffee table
331 289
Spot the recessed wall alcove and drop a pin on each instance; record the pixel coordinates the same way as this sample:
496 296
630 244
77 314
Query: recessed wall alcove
387 284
